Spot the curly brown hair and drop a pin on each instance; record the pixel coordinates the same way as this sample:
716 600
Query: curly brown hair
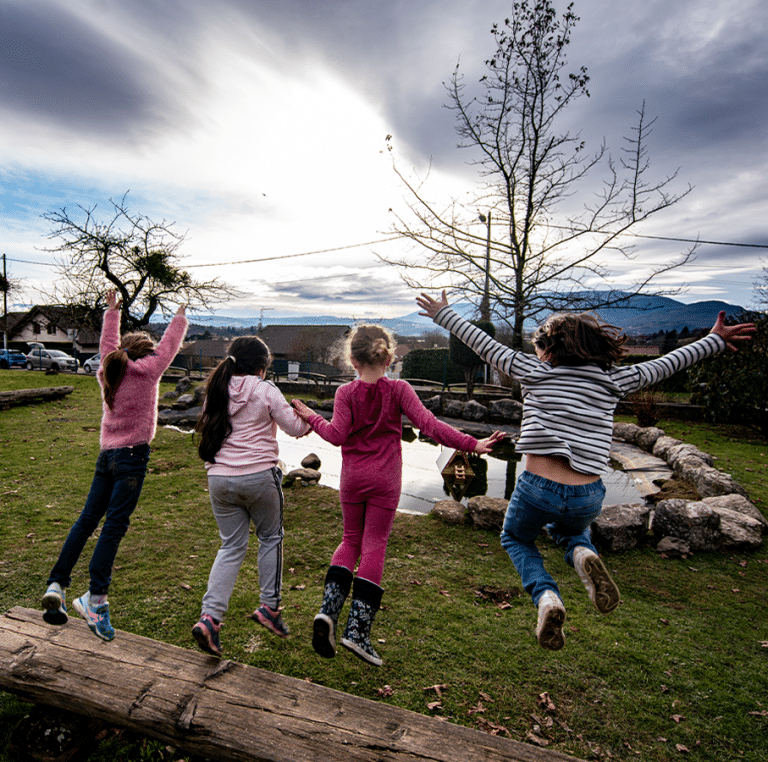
580 339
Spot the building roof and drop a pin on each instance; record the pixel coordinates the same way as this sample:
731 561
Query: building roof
282 339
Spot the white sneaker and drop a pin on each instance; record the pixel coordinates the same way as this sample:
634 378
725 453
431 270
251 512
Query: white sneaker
602 589
549 629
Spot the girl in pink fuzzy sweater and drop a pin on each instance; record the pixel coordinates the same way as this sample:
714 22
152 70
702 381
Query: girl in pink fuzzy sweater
130 373
367 423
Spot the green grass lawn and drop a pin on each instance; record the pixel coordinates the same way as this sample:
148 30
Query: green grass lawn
680 670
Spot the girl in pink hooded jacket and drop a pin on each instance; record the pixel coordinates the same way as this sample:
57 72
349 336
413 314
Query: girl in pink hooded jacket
238 443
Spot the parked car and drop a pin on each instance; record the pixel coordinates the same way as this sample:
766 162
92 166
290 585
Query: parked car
91 365
11 357
39 358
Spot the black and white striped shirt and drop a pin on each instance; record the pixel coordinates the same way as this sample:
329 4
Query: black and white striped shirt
568 410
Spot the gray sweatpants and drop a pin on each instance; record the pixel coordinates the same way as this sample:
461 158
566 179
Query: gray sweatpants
236 501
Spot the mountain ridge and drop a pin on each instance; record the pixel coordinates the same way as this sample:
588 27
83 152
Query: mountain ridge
644 315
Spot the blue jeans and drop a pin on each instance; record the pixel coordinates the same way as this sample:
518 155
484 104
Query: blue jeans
566 510
114 492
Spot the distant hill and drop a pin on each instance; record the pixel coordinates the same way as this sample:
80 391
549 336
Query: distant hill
641 315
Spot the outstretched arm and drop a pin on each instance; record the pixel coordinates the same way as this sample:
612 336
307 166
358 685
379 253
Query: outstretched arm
431 306
485 446
731 333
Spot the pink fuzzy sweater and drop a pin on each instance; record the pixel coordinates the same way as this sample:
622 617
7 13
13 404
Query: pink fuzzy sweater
133 418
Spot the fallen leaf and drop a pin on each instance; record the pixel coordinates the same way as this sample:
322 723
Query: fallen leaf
298 587
764 713
545 702
682 749
538 740
485 696
434 705
664 621
415 582
677 717
446 593
664 689
491 727
438 689
385 691
185 586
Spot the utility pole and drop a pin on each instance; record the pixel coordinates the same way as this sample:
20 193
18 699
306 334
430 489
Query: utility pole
485 304
5 306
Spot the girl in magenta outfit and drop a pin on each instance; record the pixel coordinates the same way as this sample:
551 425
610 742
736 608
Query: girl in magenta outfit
367 423
129 376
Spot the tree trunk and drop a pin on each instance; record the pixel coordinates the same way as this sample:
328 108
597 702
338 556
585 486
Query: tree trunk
224 710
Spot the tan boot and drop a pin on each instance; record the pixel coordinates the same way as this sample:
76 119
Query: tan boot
602 589
549 629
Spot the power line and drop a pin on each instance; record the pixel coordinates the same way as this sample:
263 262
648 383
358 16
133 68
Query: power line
303 254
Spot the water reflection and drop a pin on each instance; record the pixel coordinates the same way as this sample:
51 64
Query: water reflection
423 486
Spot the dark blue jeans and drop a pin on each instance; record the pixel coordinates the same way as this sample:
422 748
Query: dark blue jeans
114 493
566 510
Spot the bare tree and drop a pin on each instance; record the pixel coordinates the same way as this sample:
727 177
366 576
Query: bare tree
761 288
130 253
526 259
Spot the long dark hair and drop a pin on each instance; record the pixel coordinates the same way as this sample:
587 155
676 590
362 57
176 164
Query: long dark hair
247 356
133 346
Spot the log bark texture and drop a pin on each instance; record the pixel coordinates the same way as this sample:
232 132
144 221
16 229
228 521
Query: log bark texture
224 710
25 396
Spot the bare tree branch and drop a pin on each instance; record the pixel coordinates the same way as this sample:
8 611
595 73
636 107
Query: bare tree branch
130 253
533 263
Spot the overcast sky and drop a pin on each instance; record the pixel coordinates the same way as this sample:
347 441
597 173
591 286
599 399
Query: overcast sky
259 128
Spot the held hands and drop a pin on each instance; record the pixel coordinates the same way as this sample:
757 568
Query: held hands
731 333
302 410
484 446
431 306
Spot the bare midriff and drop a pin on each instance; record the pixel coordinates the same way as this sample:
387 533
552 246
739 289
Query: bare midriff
556 469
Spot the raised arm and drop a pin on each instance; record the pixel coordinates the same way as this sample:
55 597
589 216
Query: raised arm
731 333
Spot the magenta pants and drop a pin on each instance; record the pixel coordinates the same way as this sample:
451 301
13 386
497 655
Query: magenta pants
367 526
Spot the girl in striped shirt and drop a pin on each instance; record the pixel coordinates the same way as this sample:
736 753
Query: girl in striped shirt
570 390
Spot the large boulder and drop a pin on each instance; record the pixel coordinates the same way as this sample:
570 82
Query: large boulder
621 527
450 511
663 446
453 408
710 482
474 411
692 521
487 512
646 438
301 477
434 404
506 411
737 504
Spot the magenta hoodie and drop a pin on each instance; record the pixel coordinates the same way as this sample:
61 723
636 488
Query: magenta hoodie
367 423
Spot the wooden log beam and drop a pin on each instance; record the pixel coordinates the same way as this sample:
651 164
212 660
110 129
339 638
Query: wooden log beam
224 710
25 396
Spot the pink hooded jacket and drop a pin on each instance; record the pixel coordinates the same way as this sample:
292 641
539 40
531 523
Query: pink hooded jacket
256 409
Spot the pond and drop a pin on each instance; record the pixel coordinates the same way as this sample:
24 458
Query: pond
422 483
